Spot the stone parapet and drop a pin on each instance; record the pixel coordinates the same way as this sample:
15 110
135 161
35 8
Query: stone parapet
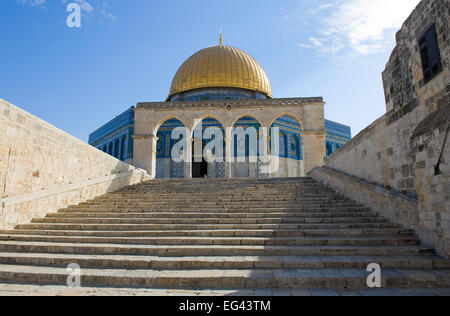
43 169
396 207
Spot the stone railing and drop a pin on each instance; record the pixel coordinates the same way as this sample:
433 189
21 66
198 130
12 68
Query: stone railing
43 169
395 206
21 209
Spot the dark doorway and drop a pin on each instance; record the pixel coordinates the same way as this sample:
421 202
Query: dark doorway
199 169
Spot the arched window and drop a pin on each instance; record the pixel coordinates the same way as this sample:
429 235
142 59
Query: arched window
290 144
329 148
246 147
296 147
160 146
283 147
164 146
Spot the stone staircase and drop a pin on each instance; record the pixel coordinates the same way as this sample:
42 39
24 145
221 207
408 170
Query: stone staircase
219 234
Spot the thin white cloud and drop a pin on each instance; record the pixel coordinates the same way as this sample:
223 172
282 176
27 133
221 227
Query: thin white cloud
85 6
316 41
359 27
33 3
305 45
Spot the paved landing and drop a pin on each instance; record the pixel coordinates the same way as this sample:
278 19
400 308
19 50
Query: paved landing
49 290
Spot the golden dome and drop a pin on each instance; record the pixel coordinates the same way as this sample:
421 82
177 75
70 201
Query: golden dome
221 66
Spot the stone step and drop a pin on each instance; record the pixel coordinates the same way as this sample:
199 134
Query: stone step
221 221
221 183
213 205
290 215
222 197
224 182
230 182
243 233
8 289
209 250
147 227
329 233
217 262
215 279
215 192
227 190
252 189
214 186
231 186
190 209
260 241
206 198
243 196
210 201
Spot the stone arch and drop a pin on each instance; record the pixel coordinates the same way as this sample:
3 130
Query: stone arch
244 116
245 150
200 165
208 116
287 141
291 116
290 148
165 119
166 166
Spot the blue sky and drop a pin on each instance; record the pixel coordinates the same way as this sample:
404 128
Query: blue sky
128 52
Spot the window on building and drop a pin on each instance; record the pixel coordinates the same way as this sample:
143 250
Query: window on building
294 146
283 147
429 54
116 148
124 148
329 148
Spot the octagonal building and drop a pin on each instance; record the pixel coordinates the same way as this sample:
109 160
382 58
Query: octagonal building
223 89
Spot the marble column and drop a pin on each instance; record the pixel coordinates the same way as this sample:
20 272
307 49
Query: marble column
188 156
228 152
314 149
145 153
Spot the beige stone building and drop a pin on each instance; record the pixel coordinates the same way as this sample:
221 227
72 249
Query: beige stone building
225 85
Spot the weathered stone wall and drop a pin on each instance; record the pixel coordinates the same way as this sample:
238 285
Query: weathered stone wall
396 207
381 154
389 152
431 141
403 78
44 169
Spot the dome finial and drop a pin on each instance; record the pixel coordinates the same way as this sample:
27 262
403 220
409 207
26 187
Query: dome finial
221 39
